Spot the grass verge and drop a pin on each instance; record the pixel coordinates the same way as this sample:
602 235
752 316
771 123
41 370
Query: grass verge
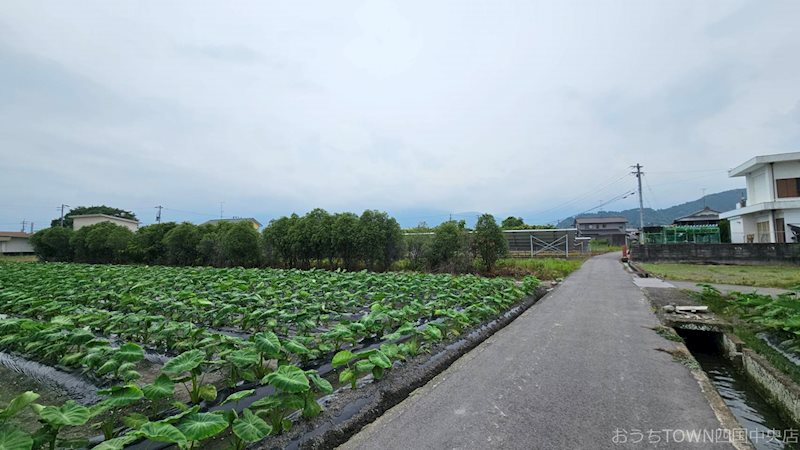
542 268
747 332
758 276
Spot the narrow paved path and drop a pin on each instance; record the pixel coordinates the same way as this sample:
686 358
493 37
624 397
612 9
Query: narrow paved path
565 375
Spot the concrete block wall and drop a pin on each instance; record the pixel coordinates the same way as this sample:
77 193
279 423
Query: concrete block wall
718 253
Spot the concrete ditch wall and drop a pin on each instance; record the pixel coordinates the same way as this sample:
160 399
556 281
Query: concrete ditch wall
781 390
788 254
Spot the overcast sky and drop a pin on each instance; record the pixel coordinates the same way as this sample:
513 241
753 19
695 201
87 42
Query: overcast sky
418 108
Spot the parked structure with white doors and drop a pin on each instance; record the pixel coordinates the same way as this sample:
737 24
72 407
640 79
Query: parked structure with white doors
773 200
15 243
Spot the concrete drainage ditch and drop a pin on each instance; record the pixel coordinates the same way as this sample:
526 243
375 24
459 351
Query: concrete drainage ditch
745 387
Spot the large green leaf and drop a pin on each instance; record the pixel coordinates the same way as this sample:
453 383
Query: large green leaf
321 383
185 362
288 378
14 439
200 426
296 347
161 388
243 358
68 414
268 343
379 359
117 443
17 404
161 432
251 428
236 396
342 358
208 392
121 395
129 352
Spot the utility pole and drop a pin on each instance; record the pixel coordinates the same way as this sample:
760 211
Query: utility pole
62 214
158 214
220 209
31 227
23 225
639 174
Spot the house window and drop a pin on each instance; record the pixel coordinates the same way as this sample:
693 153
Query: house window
788 187
762 229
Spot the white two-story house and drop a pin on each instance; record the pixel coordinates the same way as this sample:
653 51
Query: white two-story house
773 199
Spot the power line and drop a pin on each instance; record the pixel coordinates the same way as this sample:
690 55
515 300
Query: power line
597 190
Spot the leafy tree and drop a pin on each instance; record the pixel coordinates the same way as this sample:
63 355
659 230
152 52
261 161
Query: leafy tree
489 241
52 244
102 242
240 245
512 223
344 238
317 232
181 244
148 246
380 239
449 249
209 248
725 231
277 247
81 210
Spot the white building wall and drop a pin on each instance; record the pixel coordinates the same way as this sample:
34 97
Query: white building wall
758 187
80 222
16 245
737 230
787 169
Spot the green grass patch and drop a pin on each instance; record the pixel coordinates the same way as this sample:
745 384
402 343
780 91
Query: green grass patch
667 333
541 268
758 276
603 247
751 314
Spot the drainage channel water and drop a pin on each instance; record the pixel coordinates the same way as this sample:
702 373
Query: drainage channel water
761 420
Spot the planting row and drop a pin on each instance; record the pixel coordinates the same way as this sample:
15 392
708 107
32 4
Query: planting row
220 328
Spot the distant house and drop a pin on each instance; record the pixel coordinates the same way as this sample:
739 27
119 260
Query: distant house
15 243
85 220
705 216
612 229
773 199
256 224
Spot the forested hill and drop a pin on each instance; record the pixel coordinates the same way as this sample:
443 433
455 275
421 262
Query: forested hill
721 201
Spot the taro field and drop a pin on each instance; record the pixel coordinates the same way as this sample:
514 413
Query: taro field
111 357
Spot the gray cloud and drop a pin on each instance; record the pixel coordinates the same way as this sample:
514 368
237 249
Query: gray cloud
416 107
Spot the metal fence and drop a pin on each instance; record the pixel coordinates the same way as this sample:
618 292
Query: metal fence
697 234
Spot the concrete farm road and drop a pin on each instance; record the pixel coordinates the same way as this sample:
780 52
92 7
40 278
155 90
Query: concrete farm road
571 372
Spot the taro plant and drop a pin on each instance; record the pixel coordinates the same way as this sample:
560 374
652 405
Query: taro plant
112 408
295 389
358 364
188 367
55 419
247 428
159 391
12 438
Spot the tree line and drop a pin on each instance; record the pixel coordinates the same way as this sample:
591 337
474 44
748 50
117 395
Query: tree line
373 241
